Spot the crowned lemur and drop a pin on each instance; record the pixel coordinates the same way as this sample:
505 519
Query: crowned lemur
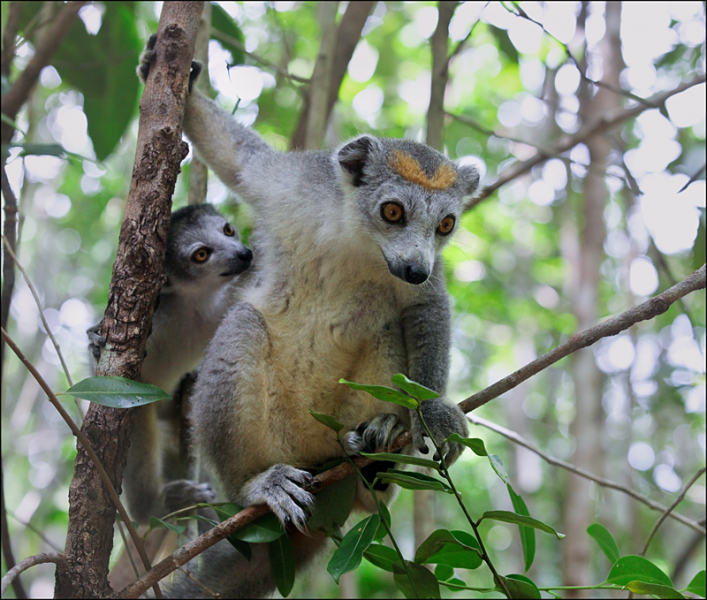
347 283
204 256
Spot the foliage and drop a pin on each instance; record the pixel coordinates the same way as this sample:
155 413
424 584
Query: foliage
510 271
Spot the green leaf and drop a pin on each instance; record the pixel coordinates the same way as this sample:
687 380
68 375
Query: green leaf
423 585
156 523
476 445
520 586
282 563
505 45
41 149
383 393
404 459
413 481
636 568
264 529
348 555
527 535
327 420
333 504
653 589
606 541
698 585
116 392
416 390
497 465
511 517
381 556
444 572
437 540
461 551
385 520
107 81
223 22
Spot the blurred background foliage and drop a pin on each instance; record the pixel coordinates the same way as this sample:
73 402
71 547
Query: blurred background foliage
511 270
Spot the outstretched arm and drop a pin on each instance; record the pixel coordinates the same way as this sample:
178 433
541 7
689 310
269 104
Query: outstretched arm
427 332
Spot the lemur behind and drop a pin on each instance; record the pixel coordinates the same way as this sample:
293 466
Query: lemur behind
204 255
348 283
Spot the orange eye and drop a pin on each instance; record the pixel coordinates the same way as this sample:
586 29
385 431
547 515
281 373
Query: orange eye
446 226
228 230
392 212
200 255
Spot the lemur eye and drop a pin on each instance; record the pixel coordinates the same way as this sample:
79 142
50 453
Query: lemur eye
392 212
201 255
446 225
228 230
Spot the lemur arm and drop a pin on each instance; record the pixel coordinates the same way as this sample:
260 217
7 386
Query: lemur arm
427 334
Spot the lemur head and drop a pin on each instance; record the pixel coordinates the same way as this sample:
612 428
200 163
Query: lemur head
410 198
204 251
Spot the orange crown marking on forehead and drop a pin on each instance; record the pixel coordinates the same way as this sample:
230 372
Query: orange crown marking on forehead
409 168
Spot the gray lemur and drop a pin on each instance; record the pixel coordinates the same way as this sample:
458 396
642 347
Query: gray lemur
204 255
348 283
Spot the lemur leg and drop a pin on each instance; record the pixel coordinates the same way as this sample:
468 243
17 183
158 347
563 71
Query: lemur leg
231 415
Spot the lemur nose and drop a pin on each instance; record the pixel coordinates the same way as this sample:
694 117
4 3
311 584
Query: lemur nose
246 255
415 275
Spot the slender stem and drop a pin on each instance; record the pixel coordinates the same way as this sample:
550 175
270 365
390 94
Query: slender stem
385 523
445 469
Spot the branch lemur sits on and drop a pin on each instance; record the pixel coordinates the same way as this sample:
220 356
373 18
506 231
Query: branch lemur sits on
348 283
204 256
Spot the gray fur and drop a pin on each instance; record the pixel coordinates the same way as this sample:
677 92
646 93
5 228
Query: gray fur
192 303
337 291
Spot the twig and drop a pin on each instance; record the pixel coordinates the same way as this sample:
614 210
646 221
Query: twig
669 510
16 97
514 437
219 35
647 310
612 88
84 442
37 559
32 289
460 46
7 542
34 530
597 127
694 177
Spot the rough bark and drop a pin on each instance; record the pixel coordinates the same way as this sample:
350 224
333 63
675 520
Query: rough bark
137 278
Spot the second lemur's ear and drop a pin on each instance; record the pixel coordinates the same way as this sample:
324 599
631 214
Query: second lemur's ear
468 179
354 156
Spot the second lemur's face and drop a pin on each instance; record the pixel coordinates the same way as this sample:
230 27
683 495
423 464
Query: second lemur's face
203 250
409 199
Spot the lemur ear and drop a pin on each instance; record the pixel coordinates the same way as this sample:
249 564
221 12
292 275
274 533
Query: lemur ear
468 179
353 157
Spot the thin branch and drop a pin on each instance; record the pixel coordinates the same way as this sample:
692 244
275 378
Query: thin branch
514 437
34 530
612 88
7 542
83 441
12 26
694 177
17 96
219 35
321 77
460 46
647 310
669 511
597 127
37 559
32 289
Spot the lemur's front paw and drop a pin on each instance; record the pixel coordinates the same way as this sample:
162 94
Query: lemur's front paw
378 432
280 487
148 55
443 419
182 493
96 342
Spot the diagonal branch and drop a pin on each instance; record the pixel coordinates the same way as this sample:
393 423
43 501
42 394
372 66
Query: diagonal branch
599 126
514 437
647 310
